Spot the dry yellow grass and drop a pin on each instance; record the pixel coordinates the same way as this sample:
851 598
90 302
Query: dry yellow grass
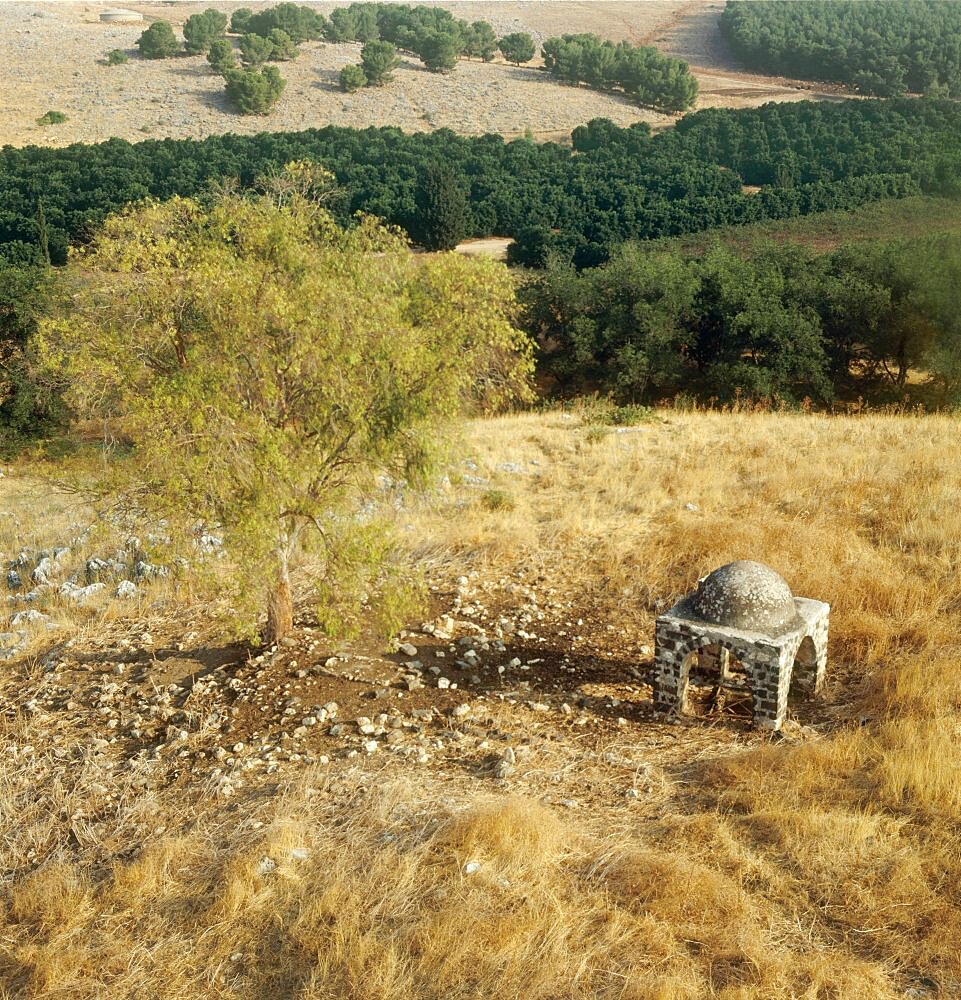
826 869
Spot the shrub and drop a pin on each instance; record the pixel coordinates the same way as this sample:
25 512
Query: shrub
200 30
378 60
255 92
255 49
283 48
517 47
158 41
240 19
221 56
496 499
117 57
608 413
352 78
52 118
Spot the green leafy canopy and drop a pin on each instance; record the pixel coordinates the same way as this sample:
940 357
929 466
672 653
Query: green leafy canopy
263 365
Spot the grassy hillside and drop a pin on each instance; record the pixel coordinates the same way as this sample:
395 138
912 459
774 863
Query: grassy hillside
884 221
618 856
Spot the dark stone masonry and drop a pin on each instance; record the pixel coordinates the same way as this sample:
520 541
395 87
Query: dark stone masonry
744 611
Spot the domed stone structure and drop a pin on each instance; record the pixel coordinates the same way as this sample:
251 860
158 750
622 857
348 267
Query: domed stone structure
747 595
743 610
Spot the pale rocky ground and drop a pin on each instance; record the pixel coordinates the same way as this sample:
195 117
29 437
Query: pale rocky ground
51 57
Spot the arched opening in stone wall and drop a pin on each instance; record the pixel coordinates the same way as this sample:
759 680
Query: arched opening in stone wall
805 671
715 682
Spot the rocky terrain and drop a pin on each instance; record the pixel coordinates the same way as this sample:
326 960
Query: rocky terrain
53 58
182 814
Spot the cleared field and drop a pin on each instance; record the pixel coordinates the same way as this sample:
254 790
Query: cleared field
533 832
52 52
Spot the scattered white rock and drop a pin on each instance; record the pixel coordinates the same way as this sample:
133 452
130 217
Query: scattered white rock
29 617
79 594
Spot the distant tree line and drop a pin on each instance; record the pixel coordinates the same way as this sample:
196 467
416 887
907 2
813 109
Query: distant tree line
616 184
778 321
882 47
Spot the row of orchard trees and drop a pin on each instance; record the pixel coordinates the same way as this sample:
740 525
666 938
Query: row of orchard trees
883 47
616 184
641 72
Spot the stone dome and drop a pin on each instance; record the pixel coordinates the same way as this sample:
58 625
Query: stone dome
745 595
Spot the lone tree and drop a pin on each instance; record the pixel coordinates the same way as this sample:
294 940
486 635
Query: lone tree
158 41
263 366
352 78
282 47
517 47
443 212
378 60
200 30
255 92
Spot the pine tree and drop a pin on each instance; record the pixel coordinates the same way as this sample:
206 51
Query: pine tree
442 209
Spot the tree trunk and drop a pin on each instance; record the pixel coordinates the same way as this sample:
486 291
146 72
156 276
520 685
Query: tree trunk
280 610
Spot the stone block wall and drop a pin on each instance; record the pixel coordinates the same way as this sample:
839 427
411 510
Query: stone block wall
769 662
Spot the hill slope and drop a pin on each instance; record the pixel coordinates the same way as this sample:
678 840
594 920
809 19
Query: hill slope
171 828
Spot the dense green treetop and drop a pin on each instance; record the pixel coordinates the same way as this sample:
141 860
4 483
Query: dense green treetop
617 184
158 41
200 30
300 22
517 47
254 92
775 320
883 47
643 73
378 60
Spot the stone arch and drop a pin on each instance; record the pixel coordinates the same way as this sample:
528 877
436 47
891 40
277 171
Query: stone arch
804 669
695 649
